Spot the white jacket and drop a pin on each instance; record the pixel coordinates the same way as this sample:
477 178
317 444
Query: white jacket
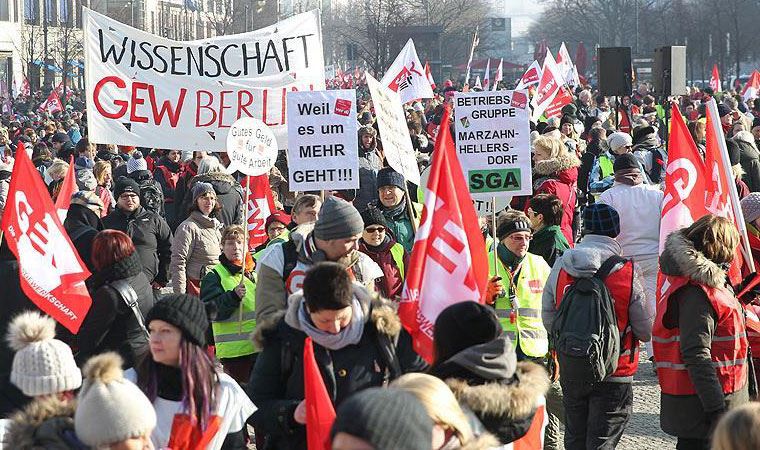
639 209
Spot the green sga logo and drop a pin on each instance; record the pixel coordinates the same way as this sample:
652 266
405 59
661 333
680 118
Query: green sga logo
500 180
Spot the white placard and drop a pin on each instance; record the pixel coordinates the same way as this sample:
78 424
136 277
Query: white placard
251 146
394 133
482 207
493 142
146 90
323 149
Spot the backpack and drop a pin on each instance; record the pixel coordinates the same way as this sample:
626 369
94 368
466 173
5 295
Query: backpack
151 197
584 333
170 177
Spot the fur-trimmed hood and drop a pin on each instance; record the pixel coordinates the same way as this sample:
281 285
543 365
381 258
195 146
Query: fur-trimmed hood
223 183
680 258
563 162
514 401
44 423
377 310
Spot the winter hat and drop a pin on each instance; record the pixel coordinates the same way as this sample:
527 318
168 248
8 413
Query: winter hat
618 140
751 207
185 312
89 200
625 161
124 184
136 162
464 325
110 408
373 216
42 365
201 189
734 153
277 216
512 223
601 219
369 131
389 177
569 110
86 180
84 163
387 418
338 219
641 132
566 119
60 138
723 110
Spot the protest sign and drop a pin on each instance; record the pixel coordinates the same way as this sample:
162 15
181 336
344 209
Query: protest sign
251 147
493 142
142 88
482 207
323 150
394 133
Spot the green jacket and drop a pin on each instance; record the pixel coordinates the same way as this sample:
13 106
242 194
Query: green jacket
549 243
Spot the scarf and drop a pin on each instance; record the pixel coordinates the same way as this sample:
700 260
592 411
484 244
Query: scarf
647 142
510 260
630 177
235 266
350 335
395 212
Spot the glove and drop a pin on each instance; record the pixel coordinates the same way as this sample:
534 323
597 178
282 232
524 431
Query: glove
493 290
747 284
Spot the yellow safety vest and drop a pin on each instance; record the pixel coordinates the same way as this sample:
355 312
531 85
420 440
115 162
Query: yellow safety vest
232 339
606 167
284 237
397 252
522 321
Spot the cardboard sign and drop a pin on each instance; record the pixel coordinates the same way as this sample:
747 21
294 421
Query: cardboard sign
251 146
394 133
145 90
493 142
322 134
482 207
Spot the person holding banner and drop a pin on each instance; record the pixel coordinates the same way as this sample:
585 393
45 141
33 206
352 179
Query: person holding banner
231 287
196 245
699 334
391 188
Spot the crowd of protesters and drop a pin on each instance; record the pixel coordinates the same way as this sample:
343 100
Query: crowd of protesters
195 341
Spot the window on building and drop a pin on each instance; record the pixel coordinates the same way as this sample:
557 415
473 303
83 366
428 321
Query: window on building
153 22
51 11
5 14
65 7
31 11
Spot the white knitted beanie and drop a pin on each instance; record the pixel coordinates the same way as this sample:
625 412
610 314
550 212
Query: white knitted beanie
136 162
42 365
111 409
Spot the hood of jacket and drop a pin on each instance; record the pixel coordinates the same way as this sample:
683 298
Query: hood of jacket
120 270
564 167
223 183
43 423
141 175
79 215
747 150
377 311
509 402
169 164
588 255
204 221
680 258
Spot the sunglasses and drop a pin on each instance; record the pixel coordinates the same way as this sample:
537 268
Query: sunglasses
374 229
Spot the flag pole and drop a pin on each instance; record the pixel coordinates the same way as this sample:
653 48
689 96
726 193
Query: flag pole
738 215
410 208
493 228
245 248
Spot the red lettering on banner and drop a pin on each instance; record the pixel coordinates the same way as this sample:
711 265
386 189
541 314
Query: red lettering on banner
135 101
222 107
243 107
120 103
207 106
165 108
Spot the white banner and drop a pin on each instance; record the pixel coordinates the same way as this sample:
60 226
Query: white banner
394 133
493 142
407 77
323 149
548 86
145 90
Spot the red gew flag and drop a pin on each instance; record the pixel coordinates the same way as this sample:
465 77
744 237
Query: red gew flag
320 413
51 273
52 105
715 79
564 97
449 262
63 200
260 206
429 75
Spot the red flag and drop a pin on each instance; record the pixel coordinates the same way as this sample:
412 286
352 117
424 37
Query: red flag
260 206
449 262
752 88
52 274
63 200
715 79
320 412
52 105
429 75
564 97
581 58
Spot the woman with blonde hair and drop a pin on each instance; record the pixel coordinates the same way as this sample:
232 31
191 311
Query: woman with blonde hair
699 335
739 429
453 428
104 177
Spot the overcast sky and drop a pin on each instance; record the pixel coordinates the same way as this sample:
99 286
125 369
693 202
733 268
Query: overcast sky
522 13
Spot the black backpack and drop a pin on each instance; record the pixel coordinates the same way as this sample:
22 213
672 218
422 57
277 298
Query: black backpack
584 333
151 196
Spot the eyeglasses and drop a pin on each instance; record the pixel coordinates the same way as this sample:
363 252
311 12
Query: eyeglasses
371 230
519 238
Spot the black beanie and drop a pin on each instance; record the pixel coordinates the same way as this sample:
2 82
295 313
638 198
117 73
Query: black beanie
389 177
566 119
185 312
373 216
124 184
625 161
463 325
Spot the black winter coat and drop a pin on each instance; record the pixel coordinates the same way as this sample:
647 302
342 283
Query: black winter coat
229 194
749 157
110 324
277 390
151 236
82 225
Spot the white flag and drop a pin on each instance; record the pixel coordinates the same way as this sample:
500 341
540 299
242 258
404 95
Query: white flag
499 75
486 79
566 67
530 77
407 76
548 86
477 83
